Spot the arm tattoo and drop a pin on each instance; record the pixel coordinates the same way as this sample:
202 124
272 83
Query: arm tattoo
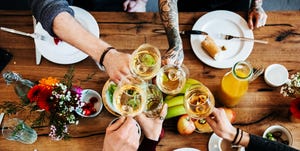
169 16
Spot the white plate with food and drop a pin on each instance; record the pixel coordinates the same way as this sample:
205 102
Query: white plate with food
216 143
61 52
107 96
217 24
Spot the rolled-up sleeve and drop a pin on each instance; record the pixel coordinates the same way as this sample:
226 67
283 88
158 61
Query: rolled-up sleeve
46 10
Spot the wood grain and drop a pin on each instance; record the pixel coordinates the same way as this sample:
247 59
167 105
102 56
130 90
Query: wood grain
261 107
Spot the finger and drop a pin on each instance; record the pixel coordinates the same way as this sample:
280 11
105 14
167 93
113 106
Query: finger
117 124
164 110
128 125
125 5
250 21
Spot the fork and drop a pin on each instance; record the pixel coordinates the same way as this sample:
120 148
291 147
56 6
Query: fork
229 37
32 35
257 71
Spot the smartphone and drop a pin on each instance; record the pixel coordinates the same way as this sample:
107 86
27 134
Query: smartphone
5 57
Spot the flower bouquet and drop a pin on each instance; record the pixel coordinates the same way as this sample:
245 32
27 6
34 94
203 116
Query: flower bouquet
292 89
60 100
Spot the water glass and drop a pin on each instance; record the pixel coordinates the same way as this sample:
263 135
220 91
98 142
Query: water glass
16 130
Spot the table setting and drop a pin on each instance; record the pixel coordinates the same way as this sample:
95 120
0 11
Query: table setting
263 105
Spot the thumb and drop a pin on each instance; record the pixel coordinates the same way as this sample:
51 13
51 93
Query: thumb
125 5
117 124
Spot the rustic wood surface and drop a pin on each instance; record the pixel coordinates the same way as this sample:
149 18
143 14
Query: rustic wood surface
261 107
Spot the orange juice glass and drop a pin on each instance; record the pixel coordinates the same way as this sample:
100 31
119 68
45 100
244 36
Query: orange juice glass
234 84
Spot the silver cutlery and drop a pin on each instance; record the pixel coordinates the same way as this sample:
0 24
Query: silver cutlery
32 35
229 37
184 32
38 55
1 117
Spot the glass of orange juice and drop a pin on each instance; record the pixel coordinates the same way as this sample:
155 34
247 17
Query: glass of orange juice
234 84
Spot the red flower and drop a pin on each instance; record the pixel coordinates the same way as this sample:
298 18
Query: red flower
295 107
41 95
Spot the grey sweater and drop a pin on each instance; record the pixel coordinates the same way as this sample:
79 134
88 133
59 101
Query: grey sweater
46 10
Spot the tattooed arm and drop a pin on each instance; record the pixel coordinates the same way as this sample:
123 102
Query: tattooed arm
257 16
169 16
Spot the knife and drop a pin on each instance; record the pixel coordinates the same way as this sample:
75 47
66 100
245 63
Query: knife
1 117
184 32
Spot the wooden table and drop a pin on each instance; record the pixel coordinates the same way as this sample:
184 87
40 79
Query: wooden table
262 106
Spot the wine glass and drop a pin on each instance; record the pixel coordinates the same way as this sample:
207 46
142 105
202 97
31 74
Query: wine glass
154 102
145 61
171 78
198 101
130 96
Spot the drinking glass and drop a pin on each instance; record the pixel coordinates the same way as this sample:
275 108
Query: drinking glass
16 130
154 102
145 61
130 96
198 101
171 78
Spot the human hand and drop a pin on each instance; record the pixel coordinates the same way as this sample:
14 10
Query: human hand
257 17
135 5
220 124
173 56
116 65
122 135
152 126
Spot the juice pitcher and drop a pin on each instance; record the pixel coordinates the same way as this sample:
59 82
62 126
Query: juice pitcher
234 84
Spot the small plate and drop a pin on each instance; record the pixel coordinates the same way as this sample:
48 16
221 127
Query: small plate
286 134
107 101
215 141
186 149
220 22
64 53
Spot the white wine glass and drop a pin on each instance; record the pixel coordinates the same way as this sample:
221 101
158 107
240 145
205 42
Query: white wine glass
171 78
145 61
154 102
130 96
198 101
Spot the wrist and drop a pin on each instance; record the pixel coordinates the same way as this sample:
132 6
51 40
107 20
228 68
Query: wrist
103 56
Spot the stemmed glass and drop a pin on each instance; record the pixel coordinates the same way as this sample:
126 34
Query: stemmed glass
130 96
171 78
198 101
145 61
154 102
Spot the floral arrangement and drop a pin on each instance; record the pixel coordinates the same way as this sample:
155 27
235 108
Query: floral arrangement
292 89
59 99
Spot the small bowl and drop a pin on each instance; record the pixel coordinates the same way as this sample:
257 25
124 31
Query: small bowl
276 75
90 96
286 134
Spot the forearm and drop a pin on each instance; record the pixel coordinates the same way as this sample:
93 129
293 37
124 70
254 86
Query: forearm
68 29
169 16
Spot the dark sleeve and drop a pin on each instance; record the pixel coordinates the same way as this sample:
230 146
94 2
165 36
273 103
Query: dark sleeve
258 143
46 10
150 145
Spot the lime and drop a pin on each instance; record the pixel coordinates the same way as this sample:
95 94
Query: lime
148 60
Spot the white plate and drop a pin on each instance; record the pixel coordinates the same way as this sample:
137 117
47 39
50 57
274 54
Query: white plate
215 142
186 149
220 22
64 53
